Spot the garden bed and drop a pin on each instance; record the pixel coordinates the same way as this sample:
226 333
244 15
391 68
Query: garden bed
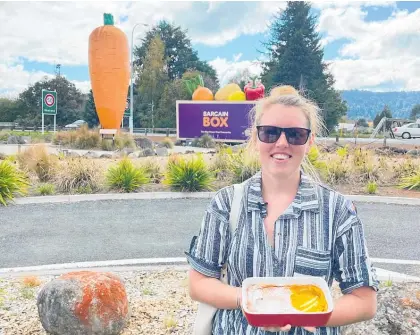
349 169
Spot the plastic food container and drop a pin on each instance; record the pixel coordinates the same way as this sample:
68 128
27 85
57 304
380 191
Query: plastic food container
267 301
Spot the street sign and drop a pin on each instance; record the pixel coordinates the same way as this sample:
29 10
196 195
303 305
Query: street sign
49 102
49 106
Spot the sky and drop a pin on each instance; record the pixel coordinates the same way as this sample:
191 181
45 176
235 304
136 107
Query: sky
370 45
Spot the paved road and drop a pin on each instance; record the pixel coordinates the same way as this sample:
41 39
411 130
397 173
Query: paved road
111 230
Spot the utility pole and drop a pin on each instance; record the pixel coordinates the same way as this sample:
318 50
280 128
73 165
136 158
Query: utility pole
131 76
153 122
57 70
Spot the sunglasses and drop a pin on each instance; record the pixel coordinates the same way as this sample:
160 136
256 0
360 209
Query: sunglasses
294 135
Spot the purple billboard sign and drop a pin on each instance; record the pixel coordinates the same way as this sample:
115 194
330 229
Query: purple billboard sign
224 121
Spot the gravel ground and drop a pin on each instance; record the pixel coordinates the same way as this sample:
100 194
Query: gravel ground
158 300
159 304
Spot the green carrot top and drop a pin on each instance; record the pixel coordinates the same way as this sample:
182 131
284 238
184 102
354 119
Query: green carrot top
108 19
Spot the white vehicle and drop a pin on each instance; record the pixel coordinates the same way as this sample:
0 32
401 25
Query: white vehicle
409 130
76 124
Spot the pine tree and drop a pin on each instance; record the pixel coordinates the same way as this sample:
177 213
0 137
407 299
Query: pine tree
152 80
295 58
386 112
415 112
178 51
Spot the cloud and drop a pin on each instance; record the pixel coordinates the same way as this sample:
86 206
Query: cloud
374 53
369 74
237 57
54 32
14 79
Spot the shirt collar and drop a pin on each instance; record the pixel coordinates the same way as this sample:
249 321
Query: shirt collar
306 197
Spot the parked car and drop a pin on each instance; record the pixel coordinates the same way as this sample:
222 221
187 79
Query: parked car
409 130
76 124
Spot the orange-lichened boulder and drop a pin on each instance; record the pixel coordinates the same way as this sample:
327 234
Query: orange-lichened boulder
83 303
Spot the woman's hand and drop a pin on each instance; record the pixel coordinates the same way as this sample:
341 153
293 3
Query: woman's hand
287 328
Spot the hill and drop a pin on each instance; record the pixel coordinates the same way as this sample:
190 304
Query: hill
366 104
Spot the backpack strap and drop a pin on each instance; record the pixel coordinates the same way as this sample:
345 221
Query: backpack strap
235 207
238 190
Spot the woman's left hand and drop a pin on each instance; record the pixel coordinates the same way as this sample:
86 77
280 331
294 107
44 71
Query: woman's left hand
287 328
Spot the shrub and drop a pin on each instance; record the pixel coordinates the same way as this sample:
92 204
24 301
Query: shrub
405 169
75 173
123 141
125 176
342 152
221 164
337 171
188 175
31 281
365 168
243 166
411 182
206 141
66 138
12 182
153 171
106 145
87 139
167 142
314 163
36 159
46 189
371 187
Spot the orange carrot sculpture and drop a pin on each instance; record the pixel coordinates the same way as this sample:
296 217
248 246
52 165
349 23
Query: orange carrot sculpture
109 69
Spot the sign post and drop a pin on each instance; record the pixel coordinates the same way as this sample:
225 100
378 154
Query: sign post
49 106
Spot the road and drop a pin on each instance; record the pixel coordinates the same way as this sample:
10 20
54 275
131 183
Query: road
38 234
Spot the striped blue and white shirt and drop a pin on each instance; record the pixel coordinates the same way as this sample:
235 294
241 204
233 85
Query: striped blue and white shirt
319 234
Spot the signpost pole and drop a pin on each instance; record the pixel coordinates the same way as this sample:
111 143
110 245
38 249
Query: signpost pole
49 106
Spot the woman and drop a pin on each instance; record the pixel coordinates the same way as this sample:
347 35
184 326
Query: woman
289 225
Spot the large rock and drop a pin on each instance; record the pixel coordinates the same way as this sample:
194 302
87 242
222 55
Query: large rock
91 154
413 152
162 151
83 303
398 312
147 153
143 143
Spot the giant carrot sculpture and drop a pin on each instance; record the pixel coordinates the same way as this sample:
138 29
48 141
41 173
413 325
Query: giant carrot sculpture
109 69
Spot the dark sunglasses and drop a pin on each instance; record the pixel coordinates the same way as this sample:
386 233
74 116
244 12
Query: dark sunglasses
294 135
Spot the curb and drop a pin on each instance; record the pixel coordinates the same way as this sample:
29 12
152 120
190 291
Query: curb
185 195
150 264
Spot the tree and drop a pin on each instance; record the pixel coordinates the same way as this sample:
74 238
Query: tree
166 113
178 51
362 123
70 102
295 58
89 113
415 112
241 77
9 110
386 112
153 77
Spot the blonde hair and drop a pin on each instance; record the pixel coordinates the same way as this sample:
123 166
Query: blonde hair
286 96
